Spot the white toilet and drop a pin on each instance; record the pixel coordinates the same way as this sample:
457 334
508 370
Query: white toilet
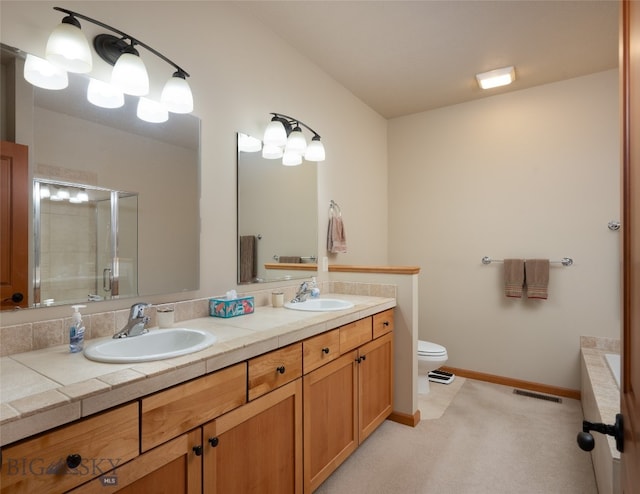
431 356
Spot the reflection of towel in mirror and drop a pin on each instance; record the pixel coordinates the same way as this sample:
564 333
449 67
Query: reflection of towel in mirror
248 258
513 277
336 238
537 276
294 259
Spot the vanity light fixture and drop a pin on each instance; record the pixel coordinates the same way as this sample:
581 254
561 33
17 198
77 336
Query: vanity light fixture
497 77
68 50
283 138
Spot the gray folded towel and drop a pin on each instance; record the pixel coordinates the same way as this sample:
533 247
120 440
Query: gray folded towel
537 278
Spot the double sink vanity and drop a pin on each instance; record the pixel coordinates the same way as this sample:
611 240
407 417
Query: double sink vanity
274 403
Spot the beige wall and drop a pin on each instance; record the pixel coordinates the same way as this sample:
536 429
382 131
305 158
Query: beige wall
239 73
533 173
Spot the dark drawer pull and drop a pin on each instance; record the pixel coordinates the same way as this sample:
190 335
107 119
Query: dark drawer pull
280 369
213 441
197 450
73 461
325 350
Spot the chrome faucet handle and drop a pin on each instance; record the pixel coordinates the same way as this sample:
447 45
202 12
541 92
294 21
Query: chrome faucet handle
137 310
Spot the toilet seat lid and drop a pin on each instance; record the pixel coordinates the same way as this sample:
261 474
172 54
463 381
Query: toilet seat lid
428 348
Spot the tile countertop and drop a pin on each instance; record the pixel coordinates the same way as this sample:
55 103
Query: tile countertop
47 388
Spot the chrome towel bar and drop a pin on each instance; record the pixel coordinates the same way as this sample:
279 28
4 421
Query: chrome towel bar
565 261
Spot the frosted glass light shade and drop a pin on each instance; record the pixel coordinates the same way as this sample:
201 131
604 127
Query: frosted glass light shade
248 144
152 111
315 151
271 152
69 49
130 75
44 74
176 95
296 142
291 158
104 95
275 134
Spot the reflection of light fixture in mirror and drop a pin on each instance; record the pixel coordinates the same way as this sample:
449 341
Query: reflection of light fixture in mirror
44 74
80 197
104 95
496 78
248 144
152 111
129 72
285 134
45 192
68 48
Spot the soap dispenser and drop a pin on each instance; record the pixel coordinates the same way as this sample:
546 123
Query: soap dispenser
76 330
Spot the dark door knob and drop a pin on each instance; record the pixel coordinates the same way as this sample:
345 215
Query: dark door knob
586 440
197 450
281 369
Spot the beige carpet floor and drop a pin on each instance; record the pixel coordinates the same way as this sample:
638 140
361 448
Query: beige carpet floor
486 440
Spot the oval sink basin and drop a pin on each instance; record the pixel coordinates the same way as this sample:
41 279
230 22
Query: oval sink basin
157 344
320 305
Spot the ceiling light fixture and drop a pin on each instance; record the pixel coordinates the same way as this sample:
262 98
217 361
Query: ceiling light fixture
68 50
283 138
497 77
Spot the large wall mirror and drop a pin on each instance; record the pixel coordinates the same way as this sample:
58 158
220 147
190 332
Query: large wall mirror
72 141
277 218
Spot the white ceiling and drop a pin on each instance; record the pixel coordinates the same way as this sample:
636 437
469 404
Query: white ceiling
402 57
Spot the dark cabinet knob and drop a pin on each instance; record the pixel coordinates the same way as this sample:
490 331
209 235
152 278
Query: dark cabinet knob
213 441
73 461
197 450
280 369
386 323
325 350
364 357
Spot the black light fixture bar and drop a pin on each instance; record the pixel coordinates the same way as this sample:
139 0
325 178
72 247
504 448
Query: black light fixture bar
114 41
288 122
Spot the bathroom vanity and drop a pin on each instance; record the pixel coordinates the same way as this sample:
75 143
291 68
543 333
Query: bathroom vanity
274 412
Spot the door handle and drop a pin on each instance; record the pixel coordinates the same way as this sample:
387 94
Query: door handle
586 440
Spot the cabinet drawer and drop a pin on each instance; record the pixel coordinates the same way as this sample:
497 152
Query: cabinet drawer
320 350
96 444
355 334
274 369
169 413
382 323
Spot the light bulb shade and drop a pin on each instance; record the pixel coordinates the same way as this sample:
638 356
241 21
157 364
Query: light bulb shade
44 74
176 95
275 134
104 95
271 152
152 111
291 158
315 151
68 48
248 144
296 142
130 75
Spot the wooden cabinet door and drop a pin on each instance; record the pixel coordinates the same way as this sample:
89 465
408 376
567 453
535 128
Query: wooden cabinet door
173 468
330 418
61 459
257 448
375 384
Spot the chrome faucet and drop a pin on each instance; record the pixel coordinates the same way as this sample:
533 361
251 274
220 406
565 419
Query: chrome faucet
137 321
305 289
